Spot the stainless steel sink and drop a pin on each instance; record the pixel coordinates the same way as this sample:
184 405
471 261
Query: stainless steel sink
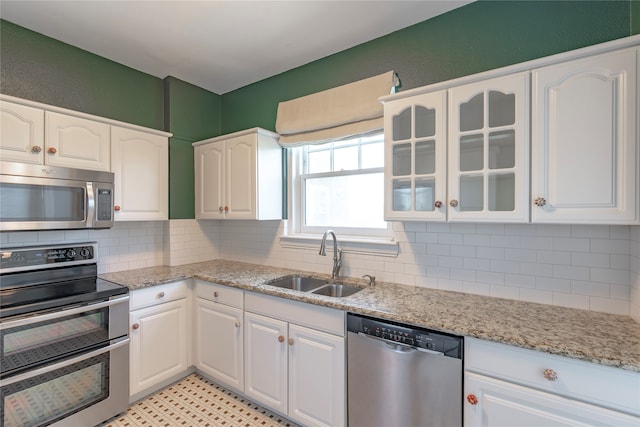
298 283
314 286
336 290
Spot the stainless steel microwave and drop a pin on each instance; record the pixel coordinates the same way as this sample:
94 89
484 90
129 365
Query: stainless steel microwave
37 197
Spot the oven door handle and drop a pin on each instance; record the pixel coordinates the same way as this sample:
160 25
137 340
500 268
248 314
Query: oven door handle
120 342
63 313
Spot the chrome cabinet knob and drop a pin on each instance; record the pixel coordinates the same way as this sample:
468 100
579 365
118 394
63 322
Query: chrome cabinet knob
220 209
540 202
237 324
161 295
453 203
215 294
135 326
438 204
36 149
290 341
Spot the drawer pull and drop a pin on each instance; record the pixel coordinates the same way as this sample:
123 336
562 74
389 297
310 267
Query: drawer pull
453 203
472 399
135 326
36 149
281 338
550 374
161 295
215 294
52 150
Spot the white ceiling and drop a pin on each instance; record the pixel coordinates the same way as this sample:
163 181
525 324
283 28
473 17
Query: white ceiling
219 45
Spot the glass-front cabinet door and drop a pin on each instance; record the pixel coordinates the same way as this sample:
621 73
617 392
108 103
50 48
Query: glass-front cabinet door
415 157
488 167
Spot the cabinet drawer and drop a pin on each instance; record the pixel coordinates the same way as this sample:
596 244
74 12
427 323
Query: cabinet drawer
158 294
601 385
314 316
220 293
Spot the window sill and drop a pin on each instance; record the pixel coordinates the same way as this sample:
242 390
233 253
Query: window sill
353 245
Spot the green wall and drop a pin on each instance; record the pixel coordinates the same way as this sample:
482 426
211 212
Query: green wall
192 114
477 37
39 68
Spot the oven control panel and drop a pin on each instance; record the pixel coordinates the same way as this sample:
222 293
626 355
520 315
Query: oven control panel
33 257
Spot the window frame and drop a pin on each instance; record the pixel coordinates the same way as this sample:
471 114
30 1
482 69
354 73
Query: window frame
296 227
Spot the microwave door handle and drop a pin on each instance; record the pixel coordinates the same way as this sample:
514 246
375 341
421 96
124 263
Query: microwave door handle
34 373
91 204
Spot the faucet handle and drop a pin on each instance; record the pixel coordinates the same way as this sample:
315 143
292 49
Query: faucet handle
372 279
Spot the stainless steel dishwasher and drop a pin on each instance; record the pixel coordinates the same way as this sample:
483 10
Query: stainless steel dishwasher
400 375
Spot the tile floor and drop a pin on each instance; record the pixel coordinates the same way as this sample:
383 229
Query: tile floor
194 402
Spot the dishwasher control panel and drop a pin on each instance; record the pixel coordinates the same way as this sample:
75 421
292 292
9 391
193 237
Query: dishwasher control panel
449 345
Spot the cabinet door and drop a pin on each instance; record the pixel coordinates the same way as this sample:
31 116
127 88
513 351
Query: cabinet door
415 135
316 377
489 150
584 141
266 361
219 346
77 143
494 403
240 177
21 133
209 180
140 162
159 344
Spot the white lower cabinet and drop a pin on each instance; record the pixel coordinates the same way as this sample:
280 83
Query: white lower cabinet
219 337
509 386
295 359
159 336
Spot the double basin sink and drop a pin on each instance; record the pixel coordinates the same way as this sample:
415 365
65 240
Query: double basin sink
314 286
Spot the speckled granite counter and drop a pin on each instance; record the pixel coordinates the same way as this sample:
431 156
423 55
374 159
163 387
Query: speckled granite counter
596 337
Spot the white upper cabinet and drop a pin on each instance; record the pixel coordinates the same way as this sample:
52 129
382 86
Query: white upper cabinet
584 140
76 142
467 162
21 133
489 150
140 162
415 172
239 176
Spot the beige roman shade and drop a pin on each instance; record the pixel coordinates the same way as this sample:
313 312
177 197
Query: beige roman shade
343 111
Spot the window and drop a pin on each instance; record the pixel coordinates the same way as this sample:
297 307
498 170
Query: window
340 185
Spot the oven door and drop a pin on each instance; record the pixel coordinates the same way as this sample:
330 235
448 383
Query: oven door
83 390
28 342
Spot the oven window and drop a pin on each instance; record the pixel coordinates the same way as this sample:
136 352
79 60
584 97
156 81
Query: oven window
49 397
27 202
29 345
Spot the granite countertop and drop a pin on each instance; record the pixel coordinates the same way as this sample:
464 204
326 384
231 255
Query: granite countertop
601 338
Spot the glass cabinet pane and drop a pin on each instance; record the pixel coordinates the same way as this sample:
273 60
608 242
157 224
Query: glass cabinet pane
401 195
472 113
502 149
471 193
425 122
425 189
402 125
471 152
425 157
502 109
501 192
401 159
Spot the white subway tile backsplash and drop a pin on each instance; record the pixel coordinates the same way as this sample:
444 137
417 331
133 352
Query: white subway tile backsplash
591 267
571 300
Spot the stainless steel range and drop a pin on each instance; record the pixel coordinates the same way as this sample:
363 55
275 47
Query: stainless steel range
64 345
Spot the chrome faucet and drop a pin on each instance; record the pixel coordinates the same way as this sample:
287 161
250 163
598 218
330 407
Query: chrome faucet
337 254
